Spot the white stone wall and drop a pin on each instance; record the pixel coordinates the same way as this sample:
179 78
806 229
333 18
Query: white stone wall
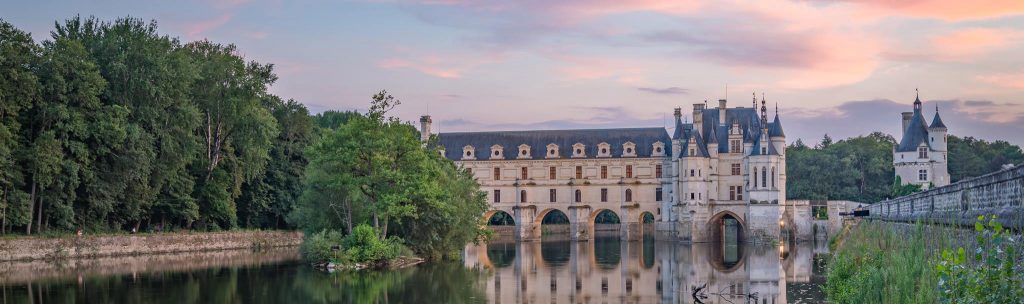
998 193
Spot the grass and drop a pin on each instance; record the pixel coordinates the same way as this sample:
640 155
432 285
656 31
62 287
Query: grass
877 263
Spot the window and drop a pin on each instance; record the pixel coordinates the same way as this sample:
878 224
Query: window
698 172
604 171
579 172
755 177
579 196
735 169
692 152
522 196
604 194
629 195
735 146
691 172
629 171
552 195
497 173
497 196
922 175
523 174
691 195
551 173
773 177
739 193
732 193
922 152
657 194
764 178
764 151
657 171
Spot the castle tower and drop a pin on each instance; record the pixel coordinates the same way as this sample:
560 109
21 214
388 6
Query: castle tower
766 201
920 156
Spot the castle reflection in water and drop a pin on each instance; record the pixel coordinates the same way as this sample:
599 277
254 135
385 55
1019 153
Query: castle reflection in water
607 270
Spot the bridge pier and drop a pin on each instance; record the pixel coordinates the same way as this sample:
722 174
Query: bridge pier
579 223
525 217
629 219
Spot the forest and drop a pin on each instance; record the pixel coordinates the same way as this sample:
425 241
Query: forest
860 168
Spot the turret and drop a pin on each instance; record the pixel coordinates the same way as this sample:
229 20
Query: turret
425 123
937 132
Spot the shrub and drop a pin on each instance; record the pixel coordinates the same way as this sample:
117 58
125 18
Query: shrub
319 247
364 246
993 277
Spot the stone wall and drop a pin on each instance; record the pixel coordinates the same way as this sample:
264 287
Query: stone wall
998 193
36 248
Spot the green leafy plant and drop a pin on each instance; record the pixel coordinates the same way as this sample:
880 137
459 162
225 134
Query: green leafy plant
991 276
322 247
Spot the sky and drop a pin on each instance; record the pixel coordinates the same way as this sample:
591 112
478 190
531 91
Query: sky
845 68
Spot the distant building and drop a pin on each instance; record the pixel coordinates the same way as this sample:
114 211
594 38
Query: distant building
721 176
920 156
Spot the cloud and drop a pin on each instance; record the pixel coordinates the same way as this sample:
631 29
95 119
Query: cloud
588 118
441 66
196 30
947 10
1008 80
979 118
665 91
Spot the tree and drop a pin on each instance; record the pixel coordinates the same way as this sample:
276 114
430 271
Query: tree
237 129
19 91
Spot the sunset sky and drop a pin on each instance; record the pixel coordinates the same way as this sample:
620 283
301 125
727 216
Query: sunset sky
839 67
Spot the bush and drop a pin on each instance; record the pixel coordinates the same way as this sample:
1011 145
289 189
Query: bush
364 246
319 247
993 277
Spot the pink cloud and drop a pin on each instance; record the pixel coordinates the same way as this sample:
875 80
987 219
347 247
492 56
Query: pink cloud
963 44
195 30
948 10
1009 80
442 66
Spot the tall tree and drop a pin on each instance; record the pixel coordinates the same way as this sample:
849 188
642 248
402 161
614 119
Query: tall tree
19 91
237 129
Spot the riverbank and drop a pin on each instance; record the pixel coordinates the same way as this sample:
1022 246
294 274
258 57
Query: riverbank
95 246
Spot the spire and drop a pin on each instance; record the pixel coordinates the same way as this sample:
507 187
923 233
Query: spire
937 121
754 102
764 113
917 100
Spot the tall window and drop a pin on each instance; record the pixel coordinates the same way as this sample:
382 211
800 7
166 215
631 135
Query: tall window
657 194
604 171
922 175
755 177
692 196
497 173
764 178
497 196
579 195
691 172
552 195
629 171
522 196
735 169
773 177
657 171
922 152
739 193
629 195
735 146
604 194
522 173
579 172
551 173
732 193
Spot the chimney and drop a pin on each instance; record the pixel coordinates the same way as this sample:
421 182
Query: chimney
678 113
698 116
425 122
721 112
906 120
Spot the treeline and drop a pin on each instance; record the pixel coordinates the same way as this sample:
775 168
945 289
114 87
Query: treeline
860 168
113 126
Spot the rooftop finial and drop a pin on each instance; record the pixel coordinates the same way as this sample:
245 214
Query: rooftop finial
754 100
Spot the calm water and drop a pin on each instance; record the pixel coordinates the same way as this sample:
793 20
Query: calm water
602 271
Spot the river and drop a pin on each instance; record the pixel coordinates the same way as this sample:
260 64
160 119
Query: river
605 270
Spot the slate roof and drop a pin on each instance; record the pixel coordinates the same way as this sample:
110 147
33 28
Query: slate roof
775 128
748 119
644 138
937 121
915 134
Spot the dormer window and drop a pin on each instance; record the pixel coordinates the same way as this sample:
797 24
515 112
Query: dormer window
629 149
524 151
496 152
604 150
552 151
764 151
468 153
659 149
922 152
579 150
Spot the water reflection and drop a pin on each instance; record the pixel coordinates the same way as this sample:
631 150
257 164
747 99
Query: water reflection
647 271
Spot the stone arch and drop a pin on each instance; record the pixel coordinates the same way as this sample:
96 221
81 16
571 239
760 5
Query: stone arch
555 213
727 255
645 222
502 215
715 226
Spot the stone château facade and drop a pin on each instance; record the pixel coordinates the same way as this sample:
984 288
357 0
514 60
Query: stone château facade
722 175
920 156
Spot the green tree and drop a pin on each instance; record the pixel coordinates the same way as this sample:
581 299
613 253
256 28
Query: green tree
971 157
19 91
